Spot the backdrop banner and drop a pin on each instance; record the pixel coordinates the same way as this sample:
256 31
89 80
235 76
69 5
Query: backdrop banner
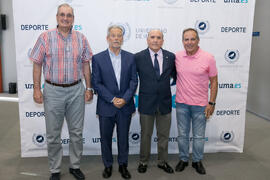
225 30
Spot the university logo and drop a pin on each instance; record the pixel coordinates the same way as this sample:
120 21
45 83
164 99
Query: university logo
231 56
134 137
126 29
39 139
227 136
202 26
170 1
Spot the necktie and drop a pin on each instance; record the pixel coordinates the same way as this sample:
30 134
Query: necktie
156 66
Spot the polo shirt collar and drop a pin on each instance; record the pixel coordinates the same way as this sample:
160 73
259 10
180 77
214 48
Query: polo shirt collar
196 55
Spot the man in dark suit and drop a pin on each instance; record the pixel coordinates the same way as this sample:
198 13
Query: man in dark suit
115 81
155 67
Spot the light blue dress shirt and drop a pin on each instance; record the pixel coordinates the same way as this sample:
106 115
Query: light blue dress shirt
116 63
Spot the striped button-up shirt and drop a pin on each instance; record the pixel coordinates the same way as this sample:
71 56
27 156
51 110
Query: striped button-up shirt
62 58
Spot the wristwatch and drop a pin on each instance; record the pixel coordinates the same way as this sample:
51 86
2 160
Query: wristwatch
212 103
90 89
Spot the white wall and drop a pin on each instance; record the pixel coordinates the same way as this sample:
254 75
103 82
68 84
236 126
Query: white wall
7 44
259 75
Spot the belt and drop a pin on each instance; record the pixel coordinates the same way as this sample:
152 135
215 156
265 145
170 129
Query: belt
63 85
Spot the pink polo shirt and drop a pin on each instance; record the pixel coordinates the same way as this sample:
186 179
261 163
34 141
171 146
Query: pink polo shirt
193 74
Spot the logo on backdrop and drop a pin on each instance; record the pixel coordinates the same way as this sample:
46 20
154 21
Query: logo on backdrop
236 1
39 139
227 136
31 86
34 27
170 1
98 140
142 33
34 114
126 29
233 29
68 1
67 141
229 85
232 112
202 26
134 137
203 1
77 27
231 55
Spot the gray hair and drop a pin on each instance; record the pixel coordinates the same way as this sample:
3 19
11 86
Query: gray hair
114 27
65 5
191 29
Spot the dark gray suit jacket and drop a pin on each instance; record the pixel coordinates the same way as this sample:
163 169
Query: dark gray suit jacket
155 93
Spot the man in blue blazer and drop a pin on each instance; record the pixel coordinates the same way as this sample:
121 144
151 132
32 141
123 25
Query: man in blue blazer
155 67
114 79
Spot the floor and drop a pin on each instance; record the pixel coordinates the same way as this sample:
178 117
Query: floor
253 164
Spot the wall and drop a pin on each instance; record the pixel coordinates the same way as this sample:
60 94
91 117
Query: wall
7 44
259 86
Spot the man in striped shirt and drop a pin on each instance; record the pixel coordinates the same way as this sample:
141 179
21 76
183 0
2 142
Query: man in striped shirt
64 55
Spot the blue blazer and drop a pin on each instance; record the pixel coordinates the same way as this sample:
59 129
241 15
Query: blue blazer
155 92
105 84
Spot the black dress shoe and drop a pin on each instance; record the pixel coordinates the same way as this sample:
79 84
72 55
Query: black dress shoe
166 167
199 167
124 172
55 176
142 168
181 166
107 172
77 173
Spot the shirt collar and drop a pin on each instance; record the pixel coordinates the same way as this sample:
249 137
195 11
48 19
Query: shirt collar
152 53
194 55
70 32
112 53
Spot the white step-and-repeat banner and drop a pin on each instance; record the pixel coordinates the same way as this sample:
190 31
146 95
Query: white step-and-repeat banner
225 29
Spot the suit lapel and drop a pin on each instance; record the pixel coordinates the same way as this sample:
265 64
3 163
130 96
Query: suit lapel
123 66
165 61
149 62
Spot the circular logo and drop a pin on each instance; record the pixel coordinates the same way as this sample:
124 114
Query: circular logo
39 139
134 137
231 56
68 1
202 26
170 1
126 29
227 136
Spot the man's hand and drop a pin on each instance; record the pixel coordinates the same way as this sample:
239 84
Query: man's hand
38 97
119 102
209 110
88 95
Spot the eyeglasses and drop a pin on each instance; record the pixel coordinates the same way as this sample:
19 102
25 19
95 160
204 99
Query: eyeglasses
62 15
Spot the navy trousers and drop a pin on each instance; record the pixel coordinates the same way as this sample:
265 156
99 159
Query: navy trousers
106 125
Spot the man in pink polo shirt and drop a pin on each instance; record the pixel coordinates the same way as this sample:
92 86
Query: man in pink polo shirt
195 68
